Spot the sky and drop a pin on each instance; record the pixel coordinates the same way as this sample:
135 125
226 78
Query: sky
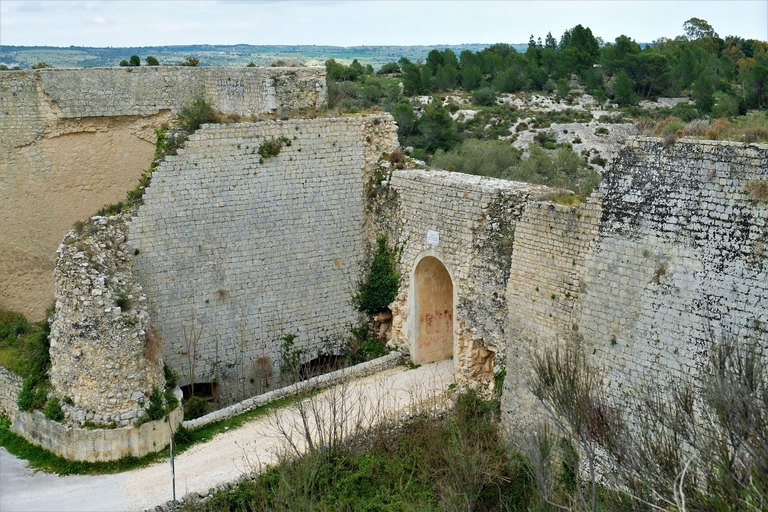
355 23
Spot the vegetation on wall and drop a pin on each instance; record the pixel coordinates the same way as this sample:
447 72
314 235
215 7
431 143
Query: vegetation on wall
194 113
380 286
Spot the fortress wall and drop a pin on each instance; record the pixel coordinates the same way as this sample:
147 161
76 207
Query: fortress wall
681 259
677 262
73 140
476 221
235 250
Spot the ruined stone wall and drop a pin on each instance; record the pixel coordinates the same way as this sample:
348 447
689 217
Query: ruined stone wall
678 261
105 355
476 220
73 140
10 386
97 445
235 249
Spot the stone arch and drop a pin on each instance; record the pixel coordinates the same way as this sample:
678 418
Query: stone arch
433 313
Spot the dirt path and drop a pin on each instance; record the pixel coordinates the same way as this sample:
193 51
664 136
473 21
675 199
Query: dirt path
226 456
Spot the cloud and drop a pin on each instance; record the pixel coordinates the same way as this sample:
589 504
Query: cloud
99 20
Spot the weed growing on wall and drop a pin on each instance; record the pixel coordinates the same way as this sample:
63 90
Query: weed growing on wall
272 147
379 288
194 113
53 410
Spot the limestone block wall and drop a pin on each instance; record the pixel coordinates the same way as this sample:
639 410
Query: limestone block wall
73 140
475 219
235 250
551 242
105 355
677 262
681 259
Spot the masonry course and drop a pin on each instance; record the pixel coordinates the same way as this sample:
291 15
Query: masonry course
238 250
675 263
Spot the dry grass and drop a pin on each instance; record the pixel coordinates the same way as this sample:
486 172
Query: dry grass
153 344
758 190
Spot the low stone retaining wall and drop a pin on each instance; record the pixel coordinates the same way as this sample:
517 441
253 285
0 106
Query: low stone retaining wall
10 385
97 445
382 363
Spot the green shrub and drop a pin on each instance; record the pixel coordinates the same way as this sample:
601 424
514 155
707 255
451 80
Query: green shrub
31 397
156 409
135 60
485 96
194 113
190 61
123 300
196 407
53 410
379 288
152 61
491 158
272 147
290 356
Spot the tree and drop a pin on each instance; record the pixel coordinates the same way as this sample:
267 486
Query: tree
446 77
411 77
135 60
152 61
379 288
623 94
41 65
389 68
471 77
405 119
703 94
435 128
190 61
757 79
124 63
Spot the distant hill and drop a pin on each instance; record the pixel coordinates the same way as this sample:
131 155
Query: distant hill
221 55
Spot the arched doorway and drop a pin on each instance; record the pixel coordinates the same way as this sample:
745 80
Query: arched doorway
434 311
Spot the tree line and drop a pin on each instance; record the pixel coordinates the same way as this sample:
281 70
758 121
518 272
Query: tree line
699 62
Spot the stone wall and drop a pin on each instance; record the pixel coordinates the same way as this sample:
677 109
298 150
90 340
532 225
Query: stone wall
10 386
105 355
97 445
551 242
73 140
475 219
235 249
678 261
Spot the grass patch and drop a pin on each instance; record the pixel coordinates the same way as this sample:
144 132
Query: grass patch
431 463
20 342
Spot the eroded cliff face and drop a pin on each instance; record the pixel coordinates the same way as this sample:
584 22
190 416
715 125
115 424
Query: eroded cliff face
74 140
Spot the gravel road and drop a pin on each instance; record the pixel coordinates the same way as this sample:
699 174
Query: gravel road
228 455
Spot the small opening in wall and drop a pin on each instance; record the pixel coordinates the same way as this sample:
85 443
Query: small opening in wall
208 391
